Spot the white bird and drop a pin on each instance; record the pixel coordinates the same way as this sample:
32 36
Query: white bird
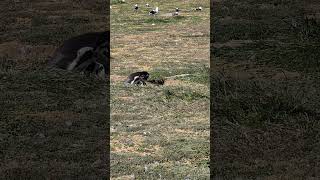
199 8
154 11
147 5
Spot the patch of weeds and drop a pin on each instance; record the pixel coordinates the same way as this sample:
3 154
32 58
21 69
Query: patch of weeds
201 78
191 96
251 21
135 164
186 149
7 65
301 57
256 103
242 31
168 94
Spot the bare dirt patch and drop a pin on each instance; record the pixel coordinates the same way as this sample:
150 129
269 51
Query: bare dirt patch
117 78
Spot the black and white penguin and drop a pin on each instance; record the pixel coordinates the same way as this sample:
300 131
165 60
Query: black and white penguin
77 53
136 7
137 78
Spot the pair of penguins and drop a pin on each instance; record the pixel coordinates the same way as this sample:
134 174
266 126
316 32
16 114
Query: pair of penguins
90 53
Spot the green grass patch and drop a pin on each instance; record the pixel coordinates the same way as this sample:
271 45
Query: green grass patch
257 103
118 2
158 20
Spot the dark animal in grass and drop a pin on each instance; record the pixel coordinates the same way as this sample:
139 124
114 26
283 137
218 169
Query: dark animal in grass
89 53
140 78
154 11
137 78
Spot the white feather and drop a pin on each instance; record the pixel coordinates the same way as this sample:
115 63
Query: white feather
79 54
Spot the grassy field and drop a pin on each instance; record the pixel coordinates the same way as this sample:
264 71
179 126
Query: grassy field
53 124
265 89
160 132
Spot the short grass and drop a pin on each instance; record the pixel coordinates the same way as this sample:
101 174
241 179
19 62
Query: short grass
53 124
265 90
160 132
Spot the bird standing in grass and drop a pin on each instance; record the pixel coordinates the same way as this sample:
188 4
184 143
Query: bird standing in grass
147 5
136 7
176 13
154 11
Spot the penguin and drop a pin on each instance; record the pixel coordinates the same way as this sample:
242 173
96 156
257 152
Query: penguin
136 7
141 78
137 78
80 51
154 11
